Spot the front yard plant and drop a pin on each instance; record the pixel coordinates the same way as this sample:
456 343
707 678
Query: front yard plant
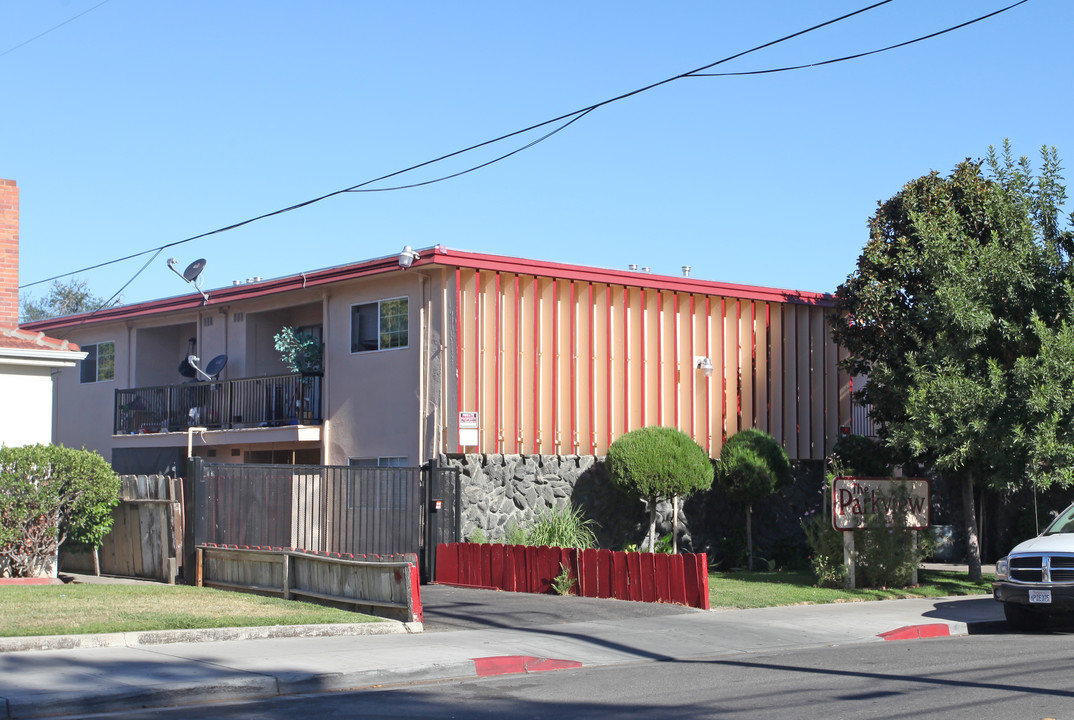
654 462
49 495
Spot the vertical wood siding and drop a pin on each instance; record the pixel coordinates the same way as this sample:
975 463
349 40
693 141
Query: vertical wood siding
560 366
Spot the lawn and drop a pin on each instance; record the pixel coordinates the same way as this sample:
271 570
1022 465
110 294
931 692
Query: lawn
769 589
77 609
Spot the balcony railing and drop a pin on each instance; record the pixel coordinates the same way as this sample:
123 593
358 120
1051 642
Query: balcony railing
249 402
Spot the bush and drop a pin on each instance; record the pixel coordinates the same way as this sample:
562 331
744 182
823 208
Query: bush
752 466
887 557
826 543
562 528
49 495
884 556
861 456
654 462
555 528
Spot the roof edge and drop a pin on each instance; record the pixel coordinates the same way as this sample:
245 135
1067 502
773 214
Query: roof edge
429 256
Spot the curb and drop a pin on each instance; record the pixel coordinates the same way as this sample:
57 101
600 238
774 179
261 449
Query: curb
258 687
931 630
948 629
73 703
164 637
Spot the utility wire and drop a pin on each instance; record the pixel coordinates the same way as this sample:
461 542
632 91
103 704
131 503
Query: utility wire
560 118
567 119
864 54
109 301
57 27
544 137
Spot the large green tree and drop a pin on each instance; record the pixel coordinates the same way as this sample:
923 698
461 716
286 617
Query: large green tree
63 298
654 462
960 314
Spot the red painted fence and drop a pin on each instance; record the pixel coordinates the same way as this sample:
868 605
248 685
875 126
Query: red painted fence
644 577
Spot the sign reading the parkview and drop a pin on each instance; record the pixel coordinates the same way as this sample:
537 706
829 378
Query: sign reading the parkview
891 502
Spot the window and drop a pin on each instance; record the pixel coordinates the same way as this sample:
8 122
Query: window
100 363
380 325
377 462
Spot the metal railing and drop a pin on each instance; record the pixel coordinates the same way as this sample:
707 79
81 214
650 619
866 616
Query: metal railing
248 402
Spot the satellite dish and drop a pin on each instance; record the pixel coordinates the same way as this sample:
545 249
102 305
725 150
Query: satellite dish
186 369
193 270
216 365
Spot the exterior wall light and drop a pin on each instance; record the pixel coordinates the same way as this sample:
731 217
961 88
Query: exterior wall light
704 365
407 257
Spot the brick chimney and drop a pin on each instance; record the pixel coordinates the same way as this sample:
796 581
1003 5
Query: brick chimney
9 254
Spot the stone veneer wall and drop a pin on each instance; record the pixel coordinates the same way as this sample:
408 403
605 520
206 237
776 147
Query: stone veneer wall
501 490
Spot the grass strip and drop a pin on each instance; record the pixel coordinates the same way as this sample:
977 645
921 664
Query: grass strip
75 609
771 589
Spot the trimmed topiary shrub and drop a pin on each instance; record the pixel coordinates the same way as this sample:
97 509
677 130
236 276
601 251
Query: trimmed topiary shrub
752 466
655 462
49 495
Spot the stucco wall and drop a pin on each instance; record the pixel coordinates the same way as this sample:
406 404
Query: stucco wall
27 393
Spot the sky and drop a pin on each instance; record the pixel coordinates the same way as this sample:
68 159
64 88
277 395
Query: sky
129 125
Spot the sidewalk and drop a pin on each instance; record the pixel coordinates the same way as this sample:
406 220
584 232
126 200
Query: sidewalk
581 632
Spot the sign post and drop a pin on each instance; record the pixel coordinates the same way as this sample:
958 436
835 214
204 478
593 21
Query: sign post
859 503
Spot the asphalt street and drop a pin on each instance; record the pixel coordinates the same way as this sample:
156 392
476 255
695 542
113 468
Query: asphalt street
496 634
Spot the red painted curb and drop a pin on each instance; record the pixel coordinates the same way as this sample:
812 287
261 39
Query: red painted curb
514 664
913 632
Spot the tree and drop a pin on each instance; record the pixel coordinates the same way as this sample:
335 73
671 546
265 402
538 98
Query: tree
301 352
958 313
62 299
654 462
49 495
752 466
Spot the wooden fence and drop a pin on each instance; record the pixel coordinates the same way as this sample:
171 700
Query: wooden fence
643 577
379 585
146 540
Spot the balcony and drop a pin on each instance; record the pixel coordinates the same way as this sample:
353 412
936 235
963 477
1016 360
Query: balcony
272 401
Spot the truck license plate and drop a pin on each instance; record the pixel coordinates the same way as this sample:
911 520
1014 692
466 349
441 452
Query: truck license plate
1040 596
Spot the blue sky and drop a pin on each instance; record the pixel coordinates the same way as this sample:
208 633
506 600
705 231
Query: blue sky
144 123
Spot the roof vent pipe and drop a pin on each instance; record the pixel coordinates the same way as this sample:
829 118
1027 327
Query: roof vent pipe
632 267
686 271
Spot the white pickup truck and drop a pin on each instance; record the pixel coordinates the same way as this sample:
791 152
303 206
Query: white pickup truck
1036 579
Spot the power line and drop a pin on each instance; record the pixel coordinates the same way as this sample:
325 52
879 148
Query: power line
561 118
863 54
57 27
567 119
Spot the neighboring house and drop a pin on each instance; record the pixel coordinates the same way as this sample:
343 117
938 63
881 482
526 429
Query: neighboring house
28 360
461 352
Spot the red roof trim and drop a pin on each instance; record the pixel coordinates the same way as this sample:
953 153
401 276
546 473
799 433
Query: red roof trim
480 261
438 255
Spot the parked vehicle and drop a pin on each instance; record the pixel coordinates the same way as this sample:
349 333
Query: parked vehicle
1036 579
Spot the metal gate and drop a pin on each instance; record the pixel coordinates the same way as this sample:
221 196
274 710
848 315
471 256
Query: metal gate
336 509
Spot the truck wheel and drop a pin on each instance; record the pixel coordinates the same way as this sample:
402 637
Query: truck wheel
1023 619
